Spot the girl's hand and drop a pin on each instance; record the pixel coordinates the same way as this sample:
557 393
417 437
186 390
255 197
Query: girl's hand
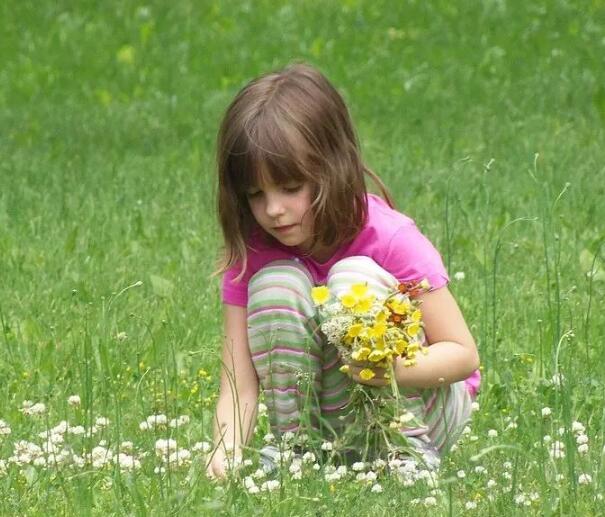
216 466
380 378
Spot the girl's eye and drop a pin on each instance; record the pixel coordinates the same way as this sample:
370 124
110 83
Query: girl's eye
254 193
291 189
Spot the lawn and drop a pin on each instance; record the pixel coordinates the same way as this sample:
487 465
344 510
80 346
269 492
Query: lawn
485 119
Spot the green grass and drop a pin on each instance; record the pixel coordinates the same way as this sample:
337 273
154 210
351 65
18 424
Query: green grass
486 120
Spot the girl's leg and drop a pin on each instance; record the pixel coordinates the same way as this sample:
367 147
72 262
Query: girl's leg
444 411
286 347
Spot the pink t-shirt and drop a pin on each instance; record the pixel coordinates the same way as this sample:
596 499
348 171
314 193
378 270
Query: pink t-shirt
389 237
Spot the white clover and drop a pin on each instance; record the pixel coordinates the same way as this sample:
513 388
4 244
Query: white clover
270 485
578 427
262 409
179 458
459 275
557 450
583 448
31 409
253 490
5 429
371 476
547 438
204 447
492 433
461 474
430 501
475 406
259 474
163 447
248 482
546 411
126 462
584 479
581 439
308 457
377 488
327 446
480 469
74 400
379 464
180 421
159 420
144 426
491 483
470 505
77 430
102 421
288 436
466 430
269 438
361 476
358 466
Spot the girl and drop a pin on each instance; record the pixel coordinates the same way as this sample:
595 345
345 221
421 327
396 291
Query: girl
295 213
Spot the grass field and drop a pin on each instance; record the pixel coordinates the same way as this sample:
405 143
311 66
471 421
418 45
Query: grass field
486 120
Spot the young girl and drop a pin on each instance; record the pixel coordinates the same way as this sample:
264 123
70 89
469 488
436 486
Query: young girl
295 213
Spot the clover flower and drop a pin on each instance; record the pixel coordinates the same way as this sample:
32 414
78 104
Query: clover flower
30 409
74 400
5 429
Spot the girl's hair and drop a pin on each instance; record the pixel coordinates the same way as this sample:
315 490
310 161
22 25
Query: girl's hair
291 125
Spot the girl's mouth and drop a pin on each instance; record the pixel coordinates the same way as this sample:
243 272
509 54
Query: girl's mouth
284 229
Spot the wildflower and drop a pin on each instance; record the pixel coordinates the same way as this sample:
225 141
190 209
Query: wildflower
262 409
578 427
461 474
259 474
5 429
557 450
492 433
308 457
253 490
480 469
371 476
179 458
327 446
466 430
366 374
126 462
583 449
475 406
180 421
126 446
491 483
581 439
102 421
30 409
430 501
204 447
155 421
159 470
377 488
507 465
121 336
320 294
270 485
459 275
269 438
547 438
584 479
470 505
358 466
546 411
163 447
74 400
288 436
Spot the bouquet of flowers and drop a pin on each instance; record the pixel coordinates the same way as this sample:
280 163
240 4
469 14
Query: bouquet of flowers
371 333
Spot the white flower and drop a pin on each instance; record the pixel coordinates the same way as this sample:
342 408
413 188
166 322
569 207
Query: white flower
507 465
308 457
74 400
371 476
126 446
470 505
268 438
358 466
262 409
459 275
430 501
492 433
583 449
461 474
204 447
559 477
581 439
163 447
159 470
557 450
377 489
491 483
102 421
253 490
466 430
156 420
479 469
557 379
327 446
379 464
288 436
475 406
126 462
180 421
316 466
584 479
5 430
546 411
121 336
360 477
77 430
270 485
144 426
547 438
179 458
31 409
578 427
249 482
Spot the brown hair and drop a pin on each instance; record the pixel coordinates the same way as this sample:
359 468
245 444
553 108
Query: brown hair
291 124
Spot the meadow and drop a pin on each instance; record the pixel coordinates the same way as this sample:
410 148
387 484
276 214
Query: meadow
485 119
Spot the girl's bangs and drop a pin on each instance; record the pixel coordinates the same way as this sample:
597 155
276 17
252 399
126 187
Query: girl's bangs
267 156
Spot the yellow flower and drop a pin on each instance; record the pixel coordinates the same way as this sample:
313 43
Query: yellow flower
382 316
376 355
363 305
359 290
355 330
348 300
320 294
413 329
416 316
401 346
400 308
378 330
360 354
366 374
409 362
424 284
344 368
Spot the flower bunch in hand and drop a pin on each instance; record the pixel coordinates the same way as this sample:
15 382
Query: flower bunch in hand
371 334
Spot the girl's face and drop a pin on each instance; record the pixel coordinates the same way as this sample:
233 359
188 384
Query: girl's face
284 211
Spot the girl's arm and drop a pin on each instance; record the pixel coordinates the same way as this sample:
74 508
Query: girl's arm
238 397
452 355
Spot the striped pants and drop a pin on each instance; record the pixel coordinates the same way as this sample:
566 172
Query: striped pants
299 372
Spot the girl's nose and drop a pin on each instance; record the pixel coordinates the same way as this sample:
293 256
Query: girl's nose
275 206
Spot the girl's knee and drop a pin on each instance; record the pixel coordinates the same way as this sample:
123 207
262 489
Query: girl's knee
360 269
